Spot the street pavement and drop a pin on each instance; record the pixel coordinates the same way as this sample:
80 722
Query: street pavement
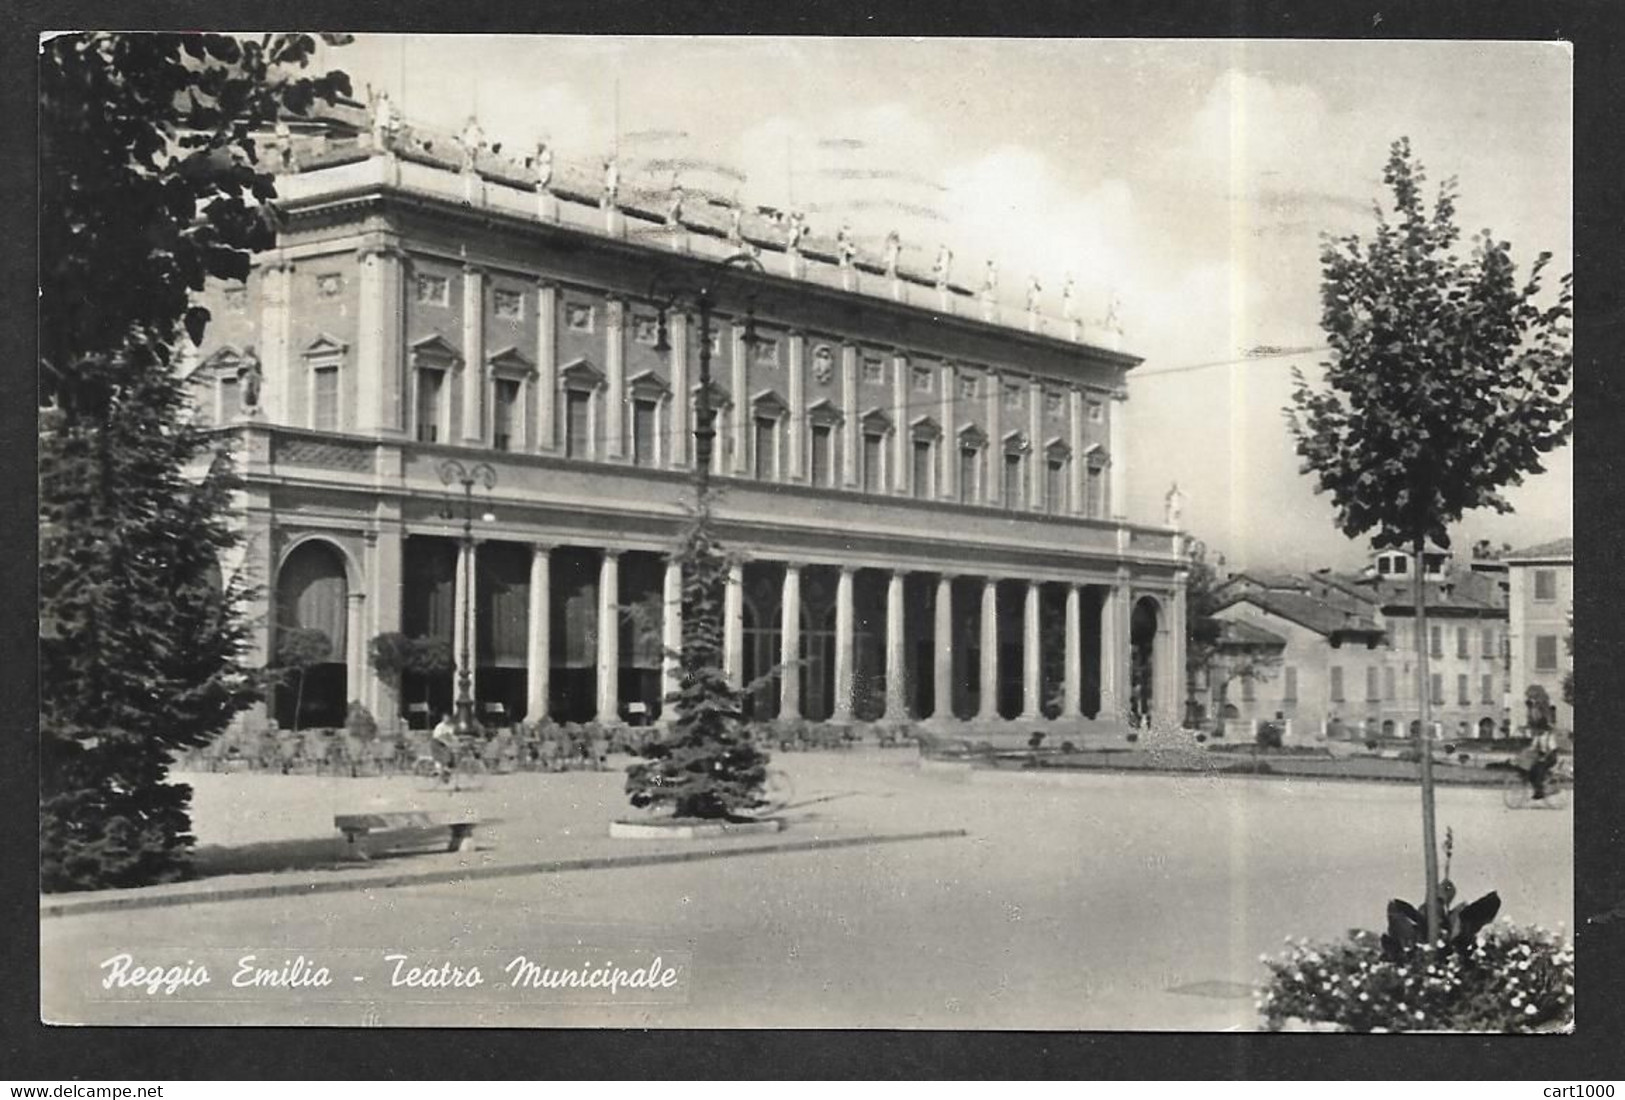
1107 902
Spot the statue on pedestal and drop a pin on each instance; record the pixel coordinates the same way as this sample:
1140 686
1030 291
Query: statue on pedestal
736 231
612 182
1114 314
386 123
250 377
894 249
845 249
795 229
941 267
1173 507
674 207
1033 291
544 166
1069 305
472 141
990 282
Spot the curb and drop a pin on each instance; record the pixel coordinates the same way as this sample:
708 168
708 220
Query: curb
138 899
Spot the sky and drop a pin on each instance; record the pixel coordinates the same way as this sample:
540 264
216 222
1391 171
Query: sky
1190 180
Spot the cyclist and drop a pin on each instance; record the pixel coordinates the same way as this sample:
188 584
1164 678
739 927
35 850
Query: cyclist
443 743
1542 759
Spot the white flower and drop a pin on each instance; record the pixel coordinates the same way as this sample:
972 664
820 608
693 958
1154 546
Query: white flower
1518 1000
1420 1015
1529 1011
1365 996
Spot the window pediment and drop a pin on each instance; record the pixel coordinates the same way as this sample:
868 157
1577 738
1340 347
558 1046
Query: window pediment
769 403
876 420
972 436
720 397
1016 443
510 362
1096 457
226 361
435 351
325 346
925 428
647 385
1057 449
824 413
580 374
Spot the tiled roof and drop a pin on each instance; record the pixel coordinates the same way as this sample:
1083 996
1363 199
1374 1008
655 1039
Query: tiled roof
1321 616
1236 632
1558 548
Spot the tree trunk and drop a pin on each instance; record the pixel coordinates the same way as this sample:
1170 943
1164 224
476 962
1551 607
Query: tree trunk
1424 743
298 700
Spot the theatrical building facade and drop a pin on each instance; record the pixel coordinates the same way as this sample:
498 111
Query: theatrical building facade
925 492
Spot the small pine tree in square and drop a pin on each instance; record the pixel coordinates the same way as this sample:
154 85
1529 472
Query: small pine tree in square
706 766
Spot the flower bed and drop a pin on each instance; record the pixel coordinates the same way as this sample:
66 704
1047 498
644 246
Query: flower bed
1512 979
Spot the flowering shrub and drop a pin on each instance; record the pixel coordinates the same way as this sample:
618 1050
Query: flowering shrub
1511 979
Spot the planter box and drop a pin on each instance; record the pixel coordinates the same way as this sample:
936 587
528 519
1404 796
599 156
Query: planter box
691 830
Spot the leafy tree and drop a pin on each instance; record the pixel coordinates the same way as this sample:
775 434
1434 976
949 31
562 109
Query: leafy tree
298 651
148 186
706 766
429 657
390 655
1447 382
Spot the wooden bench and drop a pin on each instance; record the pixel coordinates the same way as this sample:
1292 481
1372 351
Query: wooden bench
355 827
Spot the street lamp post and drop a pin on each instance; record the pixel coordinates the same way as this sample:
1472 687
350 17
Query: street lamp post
453 472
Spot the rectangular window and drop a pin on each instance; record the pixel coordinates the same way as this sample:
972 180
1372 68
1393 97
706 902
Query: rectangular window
874 449
1489 643
1402 566
1372 689
1436 641
1337 683
1097 412
823 453
921 379
1436 687
766 448
923 469
1461 641
1463 696
1546 653
325 397
1289 684
1055 485
1095 486
1390 685
1545 584
1486 689
1248 690
970 475
430 384
231 401
643 433
577 417
505 414
874 371
1013 481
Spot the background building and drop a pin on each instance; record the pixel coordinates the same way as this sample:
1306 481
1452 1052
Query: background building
922 489
1348 665
1541 596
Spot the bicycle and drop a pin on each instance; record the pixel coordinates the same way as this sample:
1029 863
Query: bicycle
1519 795
433 774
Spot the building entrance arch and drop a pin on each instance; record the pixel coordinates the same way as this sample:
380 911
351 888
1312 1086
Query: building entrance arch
1144 623
313 594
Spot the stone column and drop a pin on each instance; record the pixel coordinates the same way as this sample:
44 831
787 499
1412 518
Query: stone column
1075 466
539 634
276 340
741 400
1032 679
1176 650
790 644
733 626
467 556
896 663
380 384
948 447
795 437
384 582
1072 705
615 378
989 708
993 475
943 671
680 431
356 673
547 365
849 423
473 389
1037 460
671 635
843 647
1117 448
609 637
902 468
1114 649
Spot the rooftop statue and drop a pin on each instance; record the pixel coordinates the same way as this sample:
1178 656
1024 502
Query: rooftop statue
1033 290
612 181
674 208
796 228
1114 313
1069 305
472 140
736 232
944 263
894 249
990 281
544 166
844 246
1174 506
386 122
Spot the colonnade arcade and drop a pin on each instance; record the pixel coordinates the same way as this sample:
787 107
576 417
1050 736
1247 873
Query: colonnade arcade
581 633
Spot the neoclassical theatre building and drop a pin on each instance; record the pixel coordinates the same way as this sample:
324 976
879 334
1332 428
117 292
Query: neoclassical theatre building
925 489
